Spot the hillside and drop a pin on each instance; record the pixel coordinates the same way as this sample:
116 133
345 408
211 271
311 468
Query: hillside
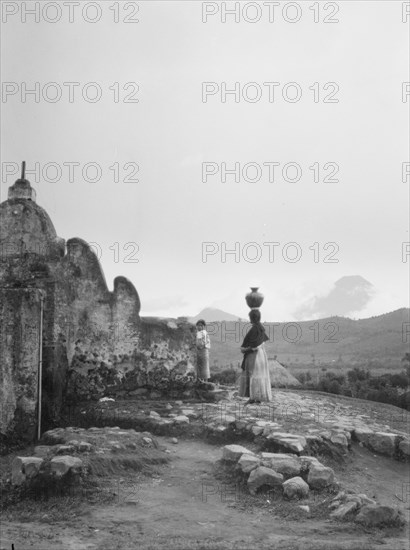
338 340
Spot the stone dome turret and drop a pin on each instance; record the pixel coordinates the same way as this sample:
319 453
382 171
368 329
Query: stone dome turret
22 188
25 227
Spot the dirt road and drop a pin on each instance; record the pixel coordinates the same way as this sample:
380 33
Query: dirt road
185 507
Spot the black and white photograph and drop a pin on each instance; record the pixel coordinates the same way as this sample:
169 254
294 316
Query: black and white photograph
204 275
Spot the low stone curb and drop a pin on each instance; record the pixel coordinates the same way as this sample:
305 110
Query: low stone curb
286 471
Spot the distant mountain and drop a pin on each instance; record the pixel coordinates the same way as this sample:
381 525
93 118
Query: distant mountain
382 340
210 315
348 294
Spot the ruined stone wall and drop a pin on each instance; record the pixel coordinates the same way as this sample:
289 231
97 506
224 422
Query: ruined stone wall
19 354
110 349
162 361
29 253
94 342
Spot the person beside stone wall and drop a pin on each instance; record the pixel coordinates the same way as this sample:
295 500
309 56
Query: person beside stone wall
203 345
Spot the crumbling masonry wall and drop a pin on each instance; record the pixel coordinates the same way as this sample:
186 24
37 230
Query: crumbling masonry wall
19 353
94 341
111 350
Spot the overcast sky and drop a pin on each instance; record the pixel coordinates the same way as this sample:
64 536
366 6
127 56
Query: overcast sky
164 219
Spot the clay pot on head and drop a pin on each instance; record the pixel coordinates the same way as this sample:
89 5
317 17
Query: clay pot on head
254 299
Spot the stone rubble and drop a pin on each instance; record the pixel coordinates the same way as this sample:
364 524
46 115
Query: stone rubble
65 443
295 487
261 476
373 515
24 468
234 452
295 443
343 510
248 462
320 476
274 468
61 465
289 467
269 470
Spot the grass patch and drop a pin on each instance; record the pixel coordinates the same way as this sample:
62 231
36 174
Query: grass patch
106 479
140 460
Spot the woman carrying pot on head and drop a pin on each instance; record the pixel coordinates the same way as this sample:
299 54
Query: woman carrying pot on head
255 381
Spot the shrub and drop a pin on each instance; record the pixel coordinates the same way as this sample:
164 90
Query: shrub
301 376
399 380
334 387
357 374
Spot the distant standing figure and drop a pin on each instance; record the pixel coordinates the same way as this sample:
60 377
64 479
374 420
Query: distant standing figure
203 345
255 380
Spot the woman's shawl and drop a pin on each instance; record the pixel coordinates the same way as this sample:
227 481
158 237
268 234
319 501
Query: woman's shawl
255 337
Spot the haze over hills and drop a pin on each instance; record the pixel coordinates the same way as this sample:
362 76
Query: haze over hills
382 340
